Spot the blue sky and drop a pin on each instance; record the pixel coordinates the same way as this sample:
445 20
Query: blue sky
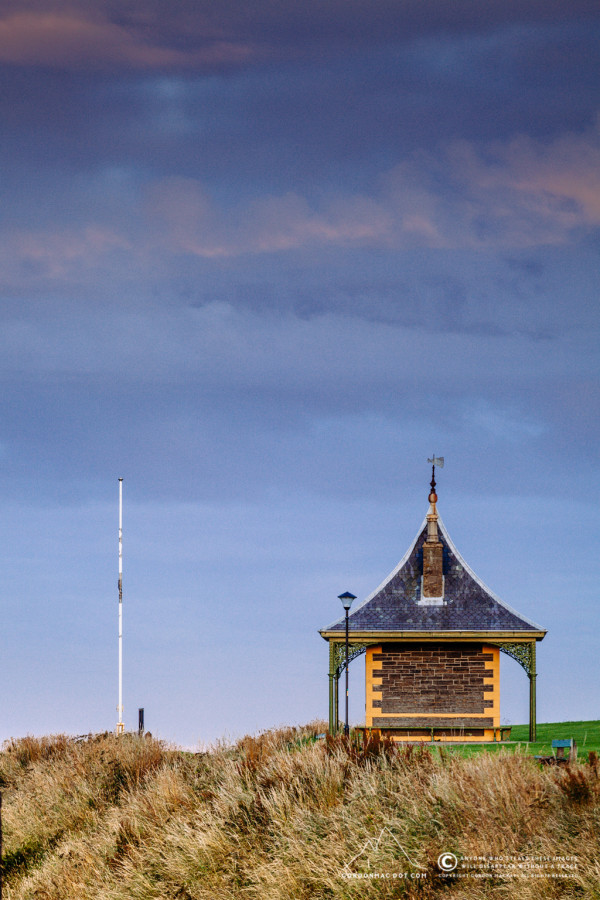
262 261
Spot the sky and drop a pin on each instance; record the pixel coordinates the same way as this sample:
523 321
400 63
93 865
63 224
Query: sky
261 261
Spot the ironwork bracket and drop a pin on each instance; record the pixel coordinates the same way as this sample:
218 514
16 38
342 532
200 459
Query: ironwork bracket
523 653
337 664
338 655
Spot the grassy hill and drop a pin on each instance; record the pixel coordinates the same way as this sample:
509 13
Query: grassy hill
283 816
587 735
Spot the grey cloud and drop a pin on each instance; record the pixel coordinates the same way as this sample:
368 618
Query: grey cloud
343 116
202 34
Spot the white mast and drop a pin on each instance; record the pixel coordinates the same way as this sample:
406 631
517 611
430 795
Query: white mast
120 725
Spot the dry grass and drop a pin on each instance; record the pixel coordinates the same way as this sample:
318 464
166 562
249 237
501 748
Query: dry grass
281 816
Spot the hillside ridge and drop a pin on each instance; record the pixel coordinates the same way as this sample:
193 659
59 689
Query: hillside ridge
283 815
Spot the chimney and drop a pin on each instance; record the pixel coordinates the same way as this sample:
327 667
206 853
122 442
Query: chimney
433 551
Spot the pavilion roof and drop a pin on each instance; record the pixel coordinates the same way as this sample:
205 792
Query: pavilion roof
468 605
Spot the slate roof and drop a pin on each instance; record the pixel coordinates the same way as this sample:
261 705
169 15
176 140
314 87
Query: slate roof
469 604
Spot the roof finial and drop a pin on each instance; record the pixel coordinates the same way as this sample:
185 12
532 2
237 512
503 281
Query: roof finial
432 585
439 462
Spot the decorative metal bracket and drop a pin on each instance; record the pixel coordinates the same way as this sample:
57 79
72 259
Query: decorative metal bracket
523 653
339 655
337 664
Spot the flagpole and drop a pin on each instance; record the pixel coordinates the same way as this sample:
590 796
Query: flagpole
120 725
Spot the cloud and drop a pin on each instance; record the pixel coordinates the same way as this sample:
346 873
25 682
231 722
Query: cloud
235 350
182 218
223 402
565 175
513 194
56 257
68 39
505 195
502 196
200 34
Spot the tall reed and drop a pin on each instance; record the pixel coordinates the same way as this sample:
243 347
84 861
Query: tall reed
282 815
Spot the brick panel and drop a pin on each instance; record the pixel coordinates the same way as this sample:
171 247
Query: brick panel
432 678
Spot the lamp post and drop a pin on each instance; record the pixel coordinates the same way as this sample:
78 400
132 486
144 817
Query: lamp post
347 599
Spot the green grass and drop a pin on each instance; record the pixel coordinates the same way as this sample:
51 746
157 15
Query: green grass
587 735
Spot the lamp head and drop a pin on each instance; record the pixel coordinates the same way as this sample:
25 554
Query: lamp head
347 599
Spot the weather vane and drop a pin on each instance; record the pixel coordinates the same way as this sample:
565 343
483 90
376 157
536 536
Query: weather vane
435 461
